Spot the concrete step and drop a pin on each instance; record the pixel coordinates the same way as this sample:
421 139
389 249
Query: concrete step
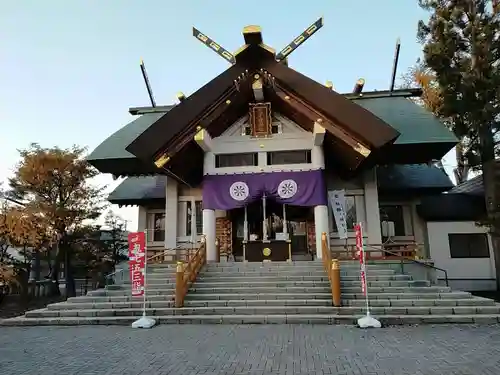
165 290
125 298
255 319
260 284
206 274
421 302
201 289
152 284
394 296
277 283
393 289
258 296
237 278
472 302
267 310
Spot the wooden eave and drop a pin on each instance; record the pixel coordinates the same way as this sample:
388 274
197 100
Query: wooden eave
354 119
173 125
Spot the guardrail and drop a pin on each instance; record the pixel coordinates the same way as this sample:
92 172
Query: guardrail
187 273
332 269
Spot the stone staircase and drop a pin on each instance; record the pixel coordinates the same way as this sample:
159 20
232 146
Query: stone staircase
299 292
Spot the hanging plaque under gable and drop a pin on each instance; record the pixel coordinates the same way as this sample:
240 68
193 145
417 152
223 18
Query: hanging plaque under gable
260 119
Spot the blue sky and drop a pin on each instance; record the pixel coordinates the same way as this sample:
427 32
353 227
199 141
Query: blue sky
70 69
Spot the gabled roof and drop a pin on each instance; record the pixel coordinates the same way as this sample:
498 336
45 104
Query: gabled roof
221 101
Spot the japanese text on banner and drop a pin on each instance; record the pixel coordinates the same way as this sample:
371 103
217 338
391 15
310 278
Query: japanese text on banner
338 204
137 260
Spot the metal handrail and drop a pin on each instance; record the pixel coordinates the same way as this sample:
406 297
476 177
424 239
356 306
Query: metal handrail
109 275
413 261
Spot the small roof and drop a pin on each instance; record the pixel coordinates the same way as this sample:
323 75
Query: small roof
474 186
139 190
452 207
413 177
134 190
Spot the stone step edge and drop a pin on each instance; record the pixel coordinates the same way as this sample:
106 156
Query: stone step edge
281 302
258 319
350 310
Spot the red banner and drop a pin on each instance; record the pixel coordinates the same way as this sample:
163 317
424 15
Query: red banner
361 253
137 261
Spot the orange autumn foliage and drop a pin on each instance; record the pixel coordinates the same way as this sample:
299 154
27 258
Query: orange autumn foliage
55 184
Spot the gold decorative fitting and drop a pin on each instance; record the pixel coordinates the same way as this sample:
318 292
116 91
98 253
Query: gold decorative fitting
287 97
320 120
256 76
329 84
250 29
162 160
198 127
261 145
228 101
181 96
362 150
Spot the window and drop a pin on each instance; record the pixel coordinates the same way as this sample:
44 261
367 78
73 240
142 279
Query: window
199 217
275 128
236 160
350 214
394 213
468 245
156 227
289 157
189 218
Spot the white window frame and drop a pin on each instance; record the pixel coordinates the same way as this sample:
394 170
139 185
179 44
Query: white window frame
150 225
408 221
185 238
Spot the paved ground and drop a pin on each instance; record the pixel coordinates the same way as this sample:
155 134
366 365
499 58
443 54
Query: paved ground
204 350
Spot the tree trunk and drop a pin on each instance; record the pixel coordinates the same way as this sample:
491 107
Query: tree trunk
489 183
55 259
70 279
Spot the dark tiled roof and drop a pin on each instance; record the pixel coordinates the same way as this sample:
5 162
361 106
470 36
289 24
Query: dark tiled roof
474 186
416 124
452 207
113 147
133 190
412 177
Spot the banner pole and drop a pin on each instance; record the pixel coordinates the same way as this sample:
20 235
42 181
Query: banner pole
144 321
368 320
367 299
145 272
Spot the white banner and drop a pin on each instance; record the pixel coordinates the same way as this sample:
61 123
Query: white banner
337 201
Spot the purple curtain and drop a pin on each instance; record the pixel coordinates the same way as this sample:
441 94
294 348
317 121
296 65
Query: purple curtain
225 192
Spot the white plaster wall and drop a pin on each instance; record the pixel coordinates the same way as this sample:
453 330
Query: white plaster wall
466 274
232 142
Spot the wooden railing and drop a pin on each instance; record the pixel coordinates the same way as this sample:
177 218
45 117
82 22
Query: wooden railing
187 272
332 269
171 256
394 251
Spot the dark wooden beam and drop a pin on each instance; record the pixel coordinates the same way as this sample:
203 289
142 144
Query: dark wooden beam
313 116
353 118
153 139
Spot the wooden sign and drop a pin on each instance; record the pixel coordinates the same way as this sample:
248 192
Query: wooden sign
260 119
